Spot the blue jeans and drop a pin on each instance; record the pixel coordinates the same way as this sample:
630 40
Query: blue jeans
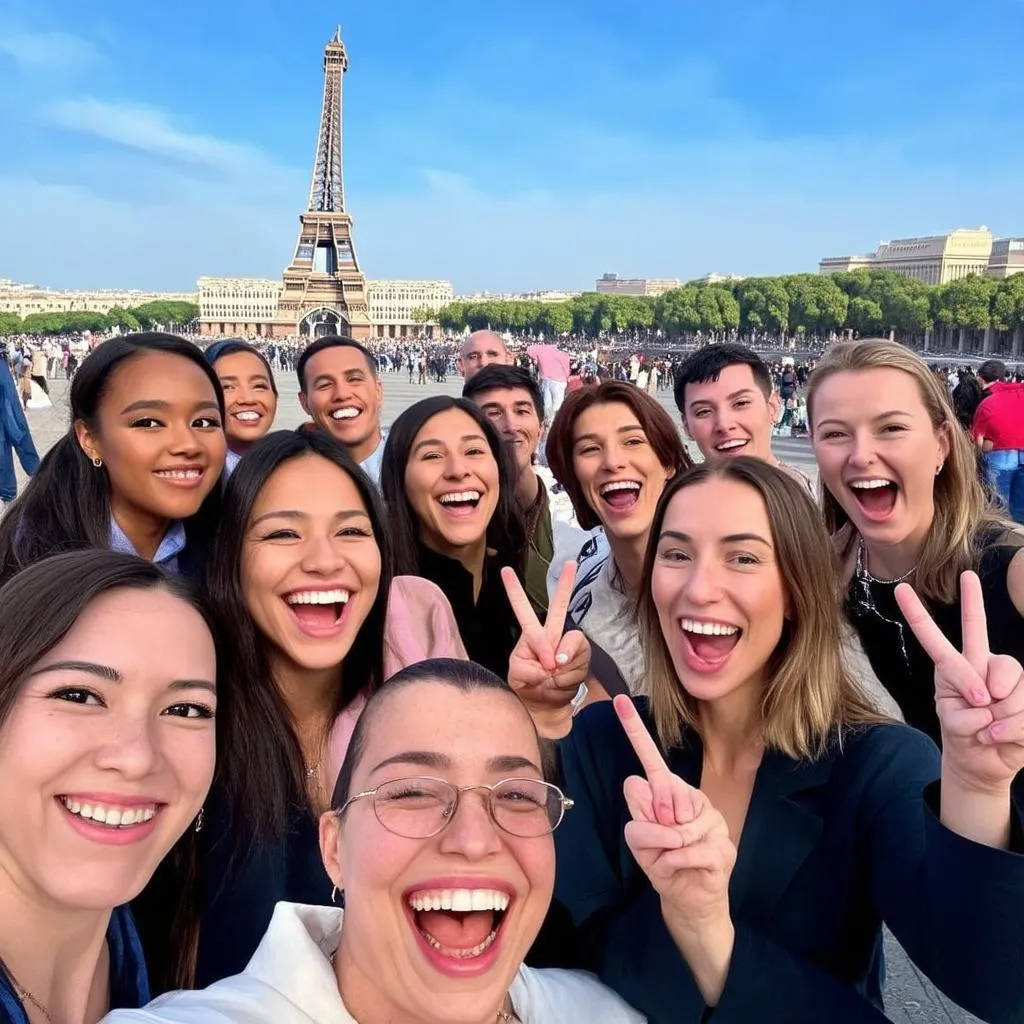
1006 474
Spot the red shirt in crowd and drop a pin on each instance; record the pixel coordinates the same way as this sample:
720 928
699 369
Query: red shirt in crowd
1000 417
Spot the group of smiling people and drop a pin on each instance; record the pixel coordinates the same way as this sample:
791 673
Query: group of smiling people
316 726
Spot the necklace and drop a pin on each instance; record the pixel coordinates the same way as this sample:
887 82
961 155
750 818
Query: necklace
862 566
312 771
23 993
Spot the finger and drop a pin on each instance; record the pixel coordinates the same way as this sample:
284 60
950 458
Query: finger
650 836
974 623
573 650
558 606
533 632
1005 680
639 798
922 625
708 823
527 675
639 738
716 857
1009 730
964 721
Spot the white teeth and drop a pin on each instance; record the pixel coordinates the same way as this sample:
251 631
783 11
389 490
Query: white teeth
459 496
460 900
347 413
318 597
620 485
869 485
709 628
180 474
728 445
248 417
112 817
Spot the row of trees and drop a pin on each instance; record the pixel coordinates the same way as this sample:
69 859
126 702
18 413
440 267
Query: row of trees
864 302
150 315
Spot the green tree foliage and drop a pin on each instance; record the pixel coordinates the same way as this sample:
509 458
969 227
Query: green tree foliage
10 323
1008 304
865 316
165 314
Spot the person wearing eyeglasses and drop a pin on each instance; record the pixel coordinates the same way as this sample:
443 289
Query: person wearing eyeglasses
439 842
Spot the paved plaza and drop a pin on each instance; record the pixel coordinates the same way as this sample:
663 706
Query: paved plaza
910 997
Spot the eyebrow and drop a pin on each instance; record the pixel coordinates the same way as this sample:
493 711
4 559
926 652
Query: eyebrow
252 376
730 397
294 513
156 403
352 371
440 762
621 430
731 538
427 442
874 419
111 675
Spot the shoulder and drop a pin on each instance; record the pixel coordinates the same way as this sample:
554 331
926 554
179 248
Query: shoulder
1015 580
884 761
541 996
236 1000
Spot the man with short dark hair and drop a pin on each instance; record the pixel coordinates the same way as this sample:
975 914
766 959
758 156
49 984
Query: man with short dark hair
340 390
998 430
509 397
725 397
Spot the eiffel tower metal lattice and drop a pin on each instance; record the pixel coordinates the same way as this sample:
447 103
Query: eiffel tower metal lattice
324 288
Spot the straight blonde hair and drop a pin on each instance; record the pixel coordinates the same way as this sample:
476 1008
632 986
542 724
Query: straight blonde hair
809 692
962 507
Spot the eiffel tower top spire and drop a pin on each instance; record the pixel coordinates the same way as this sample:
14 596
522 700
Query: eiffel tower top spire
327 190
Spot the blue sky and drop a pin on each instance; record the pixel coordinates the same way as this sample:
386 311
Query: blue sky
504 145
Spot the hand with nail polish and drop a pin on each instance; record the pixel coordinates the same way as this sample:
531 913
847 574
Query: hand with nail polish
546 667
979 696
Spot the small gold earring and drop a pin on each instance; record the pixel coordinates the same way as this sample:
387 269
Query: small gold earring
97 461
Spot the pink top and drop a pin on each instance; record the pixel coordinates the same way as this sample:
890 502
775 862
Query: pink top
552 362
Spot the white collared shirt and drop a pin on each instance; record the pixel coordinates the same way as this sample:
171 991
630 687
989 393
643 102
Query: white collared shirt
290 980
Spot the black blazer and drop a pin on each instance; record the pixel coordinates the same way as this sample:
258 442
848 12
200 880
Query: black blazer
830 849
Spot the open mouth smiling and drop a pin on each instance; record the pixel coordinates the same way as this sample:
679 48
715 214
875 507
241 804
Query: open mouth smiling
460 503
346 412
621 495
876 496
732 446
318 611
708 643
458 925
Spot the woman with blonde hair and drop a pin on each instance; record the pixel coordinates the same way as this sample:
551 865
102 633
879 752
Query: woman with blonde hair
903 501
761 894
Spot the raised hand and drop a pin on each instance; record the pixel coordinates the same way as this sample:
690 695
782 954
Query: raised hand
979 696
546 668
679 840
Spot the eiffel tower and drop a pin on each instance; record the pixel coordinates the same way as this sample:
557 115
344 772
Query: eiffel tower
324 289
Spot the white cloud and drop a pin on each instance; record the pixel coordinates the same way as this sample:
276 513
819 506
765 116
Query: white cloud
47 50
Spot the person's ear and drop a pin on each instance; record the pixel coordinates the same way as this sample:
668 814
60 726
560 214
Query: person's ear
87 441
330 843
304 403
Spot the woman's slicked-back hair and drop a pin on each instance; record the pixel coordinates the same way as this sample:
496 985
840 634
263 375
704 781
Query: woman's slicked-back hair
39 607
259 759
657 425
962 506
66 505
808 692
464 676
505 532
220 349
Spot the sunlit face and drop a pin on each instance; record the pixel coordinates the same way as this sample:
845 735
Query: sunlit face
514 416
618 470
451 481
248 397
108 752
718 588
878 452
160 437
481 349
388 969
343 396
731 416
311 565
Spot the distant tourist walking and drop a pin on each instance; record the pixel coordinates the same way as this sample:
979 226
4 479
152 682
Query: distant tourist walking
14 436
553 373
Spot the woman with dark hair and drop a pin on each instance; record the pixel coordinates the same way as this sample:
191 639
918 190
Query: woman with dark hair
138 469
449 486
613 448
107 745
440 836
741 866
250 394
298 582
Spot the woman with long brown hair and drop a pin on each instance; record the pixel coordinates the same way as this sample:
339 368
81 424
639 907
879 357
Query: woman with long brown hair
779 820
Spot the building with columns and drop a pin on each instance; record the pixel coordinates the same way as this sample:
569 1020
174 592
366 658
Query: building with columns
612 284
397 307
1007 258
25 299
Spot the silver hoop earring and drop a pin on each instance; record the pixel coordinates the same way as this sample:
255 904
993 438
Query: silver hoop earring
939 470
199 819
334 894
97 461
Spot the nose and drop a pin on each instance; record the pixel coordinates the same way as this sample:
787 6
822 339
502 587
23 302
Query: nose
862 449
183 440
472 833
320 556
130 747
723 421
612 458
703 582
455 467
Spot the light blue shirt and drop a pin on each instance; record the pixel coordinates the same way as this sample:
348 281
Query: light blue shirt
231 460
172 544
371 466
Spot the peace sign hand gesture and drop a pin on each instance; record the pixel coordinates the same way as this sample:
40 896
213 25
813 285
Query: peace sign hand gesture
979 696
679 840
545 667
